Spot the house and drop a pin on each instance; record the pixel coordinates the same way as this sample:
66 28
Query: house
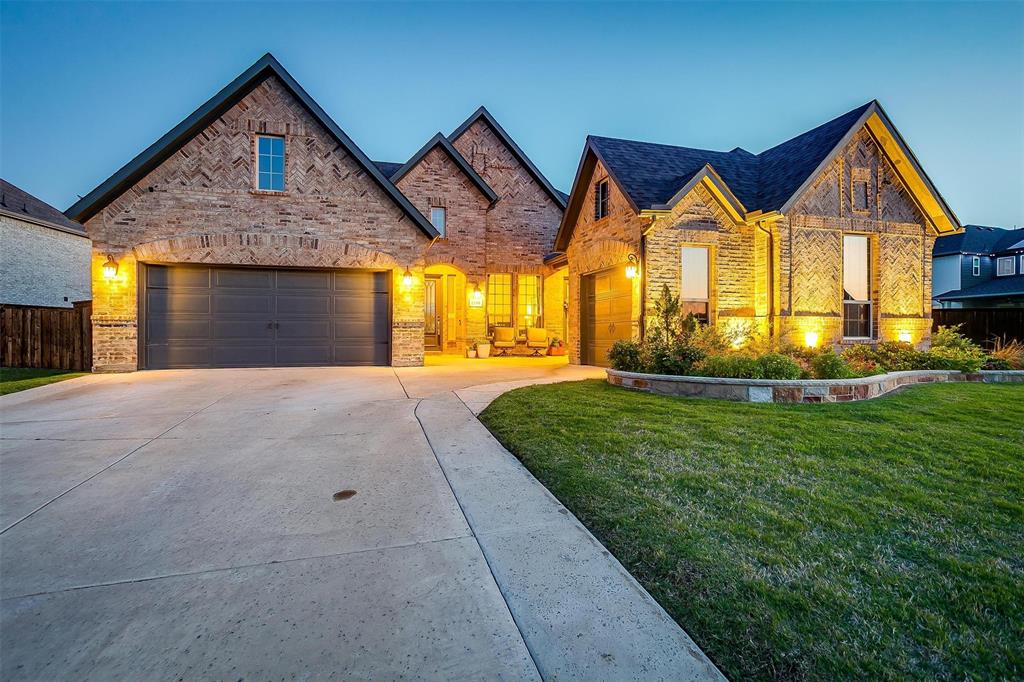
257 233
823 239
981 267
44 255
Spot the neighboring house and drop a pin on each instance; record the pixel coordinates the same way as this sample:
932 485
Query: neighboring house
824 239
981 267
44 256
256 232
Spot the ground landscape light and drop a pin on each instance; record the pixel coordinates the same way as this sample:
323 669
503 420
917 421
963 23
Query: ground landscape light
811 339
904 336
110 268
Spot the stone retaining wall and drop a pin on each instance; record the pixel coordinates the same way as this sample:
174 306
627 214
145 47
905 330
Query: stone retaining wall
800 390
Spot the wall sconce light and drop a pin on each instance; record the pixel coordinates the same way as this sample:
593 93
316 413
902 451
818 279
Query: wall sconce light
633 268
476 299
811 339
407 278
110 268
904 336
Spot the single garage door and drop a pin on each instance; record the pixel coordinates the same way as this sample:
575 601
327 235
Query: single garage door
255 317
606 305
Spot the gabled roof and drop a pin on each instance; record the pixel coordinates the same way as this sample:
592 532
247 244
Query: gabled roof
17 203
651 176
979 240
482 113
177 137
388 168
441 141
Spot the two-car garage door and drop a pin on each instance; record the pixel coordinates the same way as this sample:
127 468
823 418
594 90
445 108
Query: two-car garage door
256 317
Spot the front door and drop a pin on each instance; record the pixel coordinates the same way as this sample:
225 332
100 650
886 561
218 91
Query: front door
432 313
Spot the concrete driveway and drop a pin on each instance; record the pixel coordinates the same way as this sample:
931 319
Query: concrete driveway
354 523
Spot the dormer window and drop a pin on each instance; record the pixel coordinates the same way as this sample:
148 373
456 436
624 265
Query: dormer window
439 218
270 160
601 200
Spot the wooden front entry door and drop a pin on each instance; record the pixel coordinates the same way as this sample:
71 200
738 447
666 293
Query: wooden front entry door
607 315
432 312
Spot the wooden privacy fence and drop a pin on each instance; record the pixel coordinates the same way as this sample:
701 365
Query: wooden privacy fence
51 338
982 325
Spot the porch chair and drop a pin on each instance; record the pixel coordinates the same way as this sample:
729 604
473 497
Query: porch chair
536 339
504 340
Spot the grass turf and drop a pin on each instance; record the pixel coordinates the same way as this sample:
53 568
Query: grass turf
879 539
14 379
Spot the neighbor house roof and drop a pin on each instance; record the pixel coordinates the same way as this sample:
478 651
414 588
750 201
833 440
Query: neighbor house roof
162 149
656 176
441 141
388 168
979 240
998 287
17 203
482 113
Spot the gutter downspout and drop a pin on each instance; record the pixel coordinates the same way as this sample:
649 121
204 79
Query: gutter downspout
771 276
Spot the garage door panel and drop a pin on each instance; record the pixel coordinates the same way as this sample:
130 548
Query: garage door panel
224 317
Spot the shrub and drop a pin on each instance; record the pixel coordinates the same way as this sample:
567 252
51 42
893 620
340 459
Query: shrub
900 357
711 340
829 365
667 322
1006 355
776 366
950 337
676 358
626 356
947 357
729 366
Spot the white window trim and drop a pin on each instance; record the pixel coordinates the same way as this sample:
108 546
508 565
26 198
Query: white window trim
1006 259
976 266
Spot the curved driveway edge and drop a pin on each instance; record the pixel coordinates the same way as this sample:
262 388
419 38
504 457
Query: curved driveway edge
581 613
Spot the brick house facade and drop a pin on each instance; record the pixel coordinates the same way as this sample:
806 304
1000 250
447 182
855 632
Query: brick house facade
193 198
772 226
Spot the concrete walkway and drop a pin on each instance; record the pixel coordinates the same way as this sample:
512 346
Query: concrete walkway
202 524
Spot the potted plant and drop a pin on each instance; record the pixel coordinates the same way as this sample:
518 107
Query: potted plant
483 348
557 347
471 350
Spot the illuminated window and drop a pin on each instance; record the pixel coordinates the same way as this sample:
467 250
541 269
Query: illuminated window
528 301
1004 266
438 218
976 266
856 286
695 282
270 157
601 200
499 300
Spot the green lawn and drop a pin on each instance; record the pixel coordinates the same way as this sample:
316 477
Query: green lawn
14 379
879 539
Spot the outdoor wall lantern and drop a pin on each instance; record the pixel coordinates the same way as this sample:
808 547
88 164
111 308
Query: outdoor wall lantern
904 336
110 268
407 278
811 339
633 268
476 299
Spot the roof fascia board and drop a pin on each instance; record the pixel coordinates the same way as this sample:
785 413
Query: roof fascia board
42 223
440 140
566 227
714 183
227 97
511 144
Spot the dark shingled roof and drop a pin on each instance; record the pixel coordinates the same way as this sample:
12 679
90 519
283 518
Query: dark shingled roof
17 201
978 240
651 174
388 168
998 287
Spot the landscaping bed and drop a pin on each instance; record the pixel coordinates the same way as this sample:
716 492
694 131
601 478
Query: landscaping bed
879 540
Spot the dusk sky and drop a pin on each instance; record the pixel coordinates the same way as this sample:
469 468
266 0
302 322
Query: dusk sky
85 87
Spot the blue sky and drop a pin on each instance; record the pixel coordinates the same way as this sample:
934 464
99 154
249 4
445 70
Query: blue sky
86 86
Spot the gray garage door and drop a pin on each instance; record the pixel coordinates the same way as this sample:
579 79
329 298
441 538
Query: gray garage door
250 317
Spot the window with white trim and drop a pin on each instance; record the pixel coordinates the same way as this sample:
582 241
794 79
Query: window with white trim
1004 266
270 163
695 282
856 286
976 266
601 200
439 218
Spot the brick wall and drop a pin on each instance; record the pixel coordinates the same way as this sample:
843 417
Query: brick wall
199 206
41 266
